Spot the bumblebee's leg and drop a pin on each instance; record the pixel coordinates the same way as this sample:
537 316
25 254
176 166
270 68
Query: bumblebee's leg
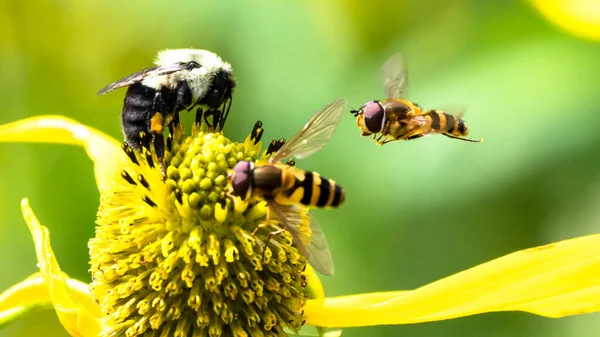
174 123
215 114
156 125
183 96
465 139
225 113
199 113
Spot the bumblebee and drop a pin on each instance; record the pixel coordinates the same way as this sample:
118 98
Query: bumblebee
285 187
181 80
396 118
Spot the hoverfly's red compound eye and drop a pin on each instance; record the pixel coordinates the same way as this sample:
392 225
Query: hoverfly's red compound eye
374 115
241 179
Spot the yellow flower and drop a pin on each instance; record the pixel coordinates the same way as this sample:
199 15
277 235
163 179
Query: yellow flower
578 17
156 241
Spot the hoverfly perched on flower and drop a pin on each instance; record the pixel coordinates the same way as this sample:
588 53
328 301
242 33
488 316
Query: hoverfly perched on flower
396 118
285 187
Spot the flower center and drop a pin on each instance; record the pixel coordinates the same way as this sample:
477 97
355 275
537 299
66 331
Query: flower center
178 257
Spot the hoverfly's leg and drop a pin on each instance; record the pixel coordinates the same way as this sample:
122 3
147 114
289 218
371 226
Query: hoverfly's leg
415 136
379 141
279 231
465 139
388 139
264 224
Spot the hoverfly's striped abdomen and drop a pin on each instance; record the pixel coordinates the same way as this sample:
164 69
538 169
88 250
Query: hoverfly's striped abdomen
311 189
442 122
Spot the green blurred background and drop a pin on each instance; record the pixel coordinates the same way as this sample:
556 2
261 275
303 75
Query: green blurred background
415 211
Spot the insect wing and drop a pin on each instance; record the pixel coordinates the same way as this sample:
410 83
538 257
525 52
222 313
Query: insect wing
315 134
317 253
456 110
291 221
395 77
318 249
141 75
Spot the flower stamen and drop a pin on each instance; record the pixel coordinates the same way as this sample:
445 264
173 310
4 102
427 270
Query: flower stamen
175 256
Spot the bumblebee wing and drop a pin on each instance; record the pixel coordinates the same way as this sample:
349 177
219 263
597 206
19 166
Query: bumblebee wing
320 256
318 253
141 75
128 80
395 77
315 133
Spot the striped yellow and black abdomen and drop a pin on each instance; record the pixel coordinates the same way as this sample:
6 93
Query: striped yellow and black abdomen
313 190
443 122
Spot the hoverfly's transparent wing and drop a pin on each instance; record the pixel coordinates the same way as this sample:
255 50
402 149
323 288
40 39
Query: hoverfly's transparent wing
290 220
141 75
315 133
395 77
320 256
456 110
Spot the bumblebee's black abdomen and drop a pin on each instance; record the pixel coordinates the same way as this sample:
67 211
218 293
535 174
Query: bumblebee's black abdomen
137 109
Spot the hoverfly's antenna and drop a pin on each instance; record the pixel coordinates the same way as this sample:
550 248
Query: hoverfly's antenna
354 112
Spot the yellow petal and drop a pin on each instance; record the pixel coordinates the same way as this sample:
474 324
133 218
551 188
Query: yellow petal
578 17
314 286
73 314
102 149
33 291
555 280
314 289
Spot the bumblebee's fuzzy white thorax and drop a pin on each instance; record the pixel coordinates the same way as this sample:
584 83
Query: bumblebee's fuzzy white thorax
198 79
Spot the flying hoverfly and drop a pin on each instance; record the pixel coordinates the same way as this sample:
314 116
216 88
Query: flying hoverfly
396 118
285 187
